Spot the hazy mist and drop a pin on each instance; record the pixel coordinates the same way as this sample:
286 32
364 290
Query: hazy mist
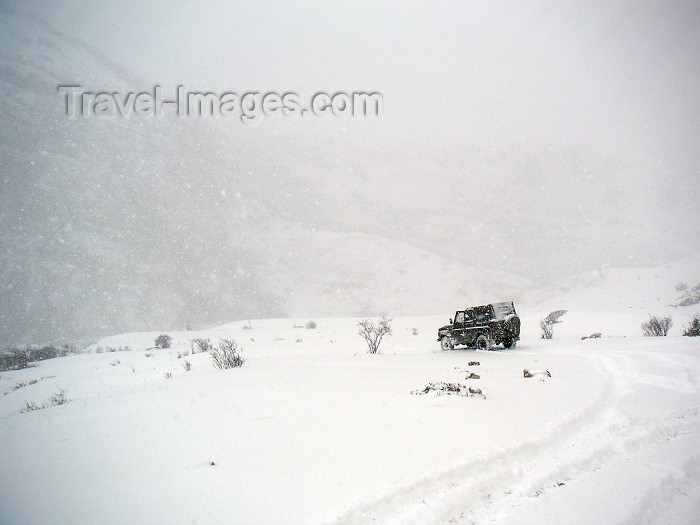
519 143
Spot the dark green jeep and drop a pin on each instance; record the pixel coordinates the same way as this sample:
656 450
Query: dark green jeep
481 327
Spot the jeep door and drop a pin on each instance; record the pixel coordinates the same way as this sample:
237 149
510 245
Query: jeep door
459 332
470 328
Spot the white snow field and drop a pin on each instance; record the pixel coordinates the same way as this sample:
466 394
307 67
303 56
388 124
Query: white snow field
319 431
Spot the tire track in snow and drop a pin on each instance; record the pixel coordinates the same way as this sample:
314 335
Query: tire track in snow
493 487
420 501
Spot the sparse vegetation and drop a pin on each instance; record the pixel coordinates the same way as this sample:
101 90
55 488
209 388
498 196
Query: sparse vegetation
311 325
200 344
22 384
186 365
31 406
163 341
226 355
373 334
689 296
693 329
59 398
657 326
547 324
167 375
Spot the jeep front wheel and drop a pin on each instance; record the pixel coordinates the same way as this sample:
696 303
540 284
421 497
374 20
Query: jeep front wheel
446 343
509 343
483 343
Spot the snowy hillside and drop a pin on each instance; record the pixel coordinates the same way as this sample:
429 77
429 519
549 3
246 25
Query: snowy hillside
323 272
311 429
615 301
117 224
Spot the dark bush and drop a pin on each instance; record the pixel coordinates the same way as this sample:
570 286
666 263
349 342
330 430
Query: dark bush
164 341
19 358
657 326
13 359
693 329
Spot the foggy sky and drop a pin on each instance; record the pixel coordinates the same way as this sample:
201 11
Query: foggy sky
620 79
623 76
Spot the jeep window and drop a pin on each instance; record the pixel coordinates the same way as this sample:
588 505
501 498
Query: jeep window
459 317
482 313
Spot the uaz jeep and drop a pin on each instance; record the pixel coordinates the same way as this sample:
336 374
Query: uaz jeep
482 327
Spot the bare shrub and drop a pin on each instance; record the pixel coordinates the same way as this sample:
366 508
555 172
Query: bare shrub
311 325
226 355
186 365
200 344
372 334
547 324
31 406
657 326
59 398
19 385
163 341
693 329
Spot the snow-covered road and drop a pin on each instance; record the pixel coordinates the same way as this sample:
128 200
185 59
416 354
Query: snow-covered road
630 456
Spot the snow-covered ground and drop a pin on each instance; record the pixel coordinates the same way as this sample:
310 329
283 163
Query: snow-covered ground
314 430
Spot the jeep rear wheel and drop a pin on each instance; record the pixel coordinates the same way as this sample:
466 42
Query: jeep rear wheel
483 343
446 343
